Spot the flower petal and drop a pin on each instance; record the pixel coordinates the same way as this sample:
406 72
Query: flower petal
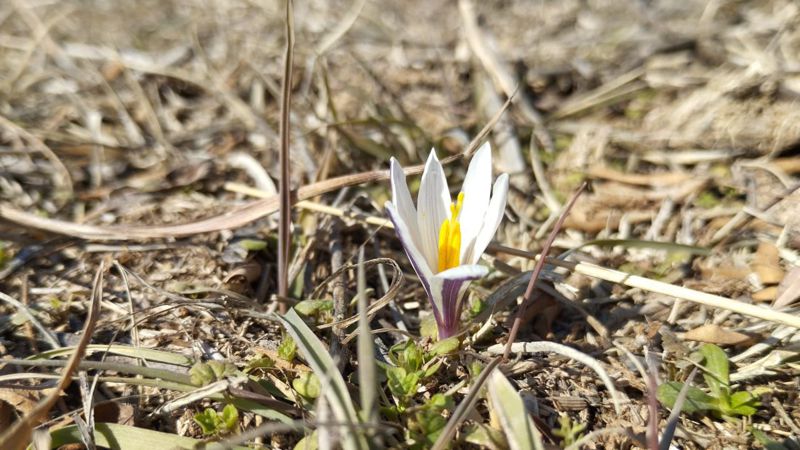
494 215
448 289
416 257
476 189
465 272
401 199
433 207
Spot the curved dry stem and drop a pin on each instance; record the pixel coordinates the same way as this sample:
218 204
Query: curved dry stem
569 352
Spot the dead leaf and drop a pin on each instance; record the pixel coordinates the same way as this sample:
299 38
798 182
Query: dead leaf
766 264
788 290
766 295
715 334
22 401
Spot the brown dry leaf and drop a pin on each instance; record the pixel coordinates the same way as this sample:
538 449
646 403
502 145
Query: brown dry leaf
766 264
766 295
789 289
22 401
724 271
790 165
714 334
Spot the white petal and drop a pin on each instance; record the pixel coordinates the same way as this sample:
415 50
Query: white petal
476 189
419 262
401 199
494 215
435 294
433 207
465 272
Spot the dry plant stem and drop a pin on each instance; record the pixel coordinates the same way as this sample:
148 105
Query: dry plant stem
659 287
571 353
18 436
541 180
512 335
744 216
339 351
285 223
46 335
652 406
714 301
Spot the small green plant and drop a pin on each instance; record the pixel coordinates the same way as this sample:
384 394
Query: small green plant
412 364
287 349
218 423
569 431
204 373
721 401
765 441
262 362
314 308
307 384
429 421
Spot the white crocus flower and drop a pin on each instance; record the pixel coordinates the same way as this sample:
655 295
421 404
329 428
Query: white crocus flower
444 239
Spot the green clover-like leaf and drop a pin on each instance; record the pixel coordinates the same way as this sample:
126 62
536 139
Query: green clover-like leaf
307 384
696 400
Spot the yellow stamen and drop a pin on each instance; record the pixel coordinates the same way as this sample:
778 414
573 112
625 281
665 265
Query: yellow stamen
450 237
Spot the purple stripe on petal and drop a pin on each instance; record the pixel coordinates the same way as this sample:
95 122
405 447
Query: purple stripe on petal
451 307
452 292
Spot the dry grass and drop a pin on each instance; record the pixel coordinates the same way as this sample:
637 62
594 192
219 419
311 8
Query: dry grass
683 116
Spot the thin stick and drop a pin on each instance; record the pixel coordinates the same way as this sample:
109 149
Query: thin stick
285 188
46 335
538 270
659 287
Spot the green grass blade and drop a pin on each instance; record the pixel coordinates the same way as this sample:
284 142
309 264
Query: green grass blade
334 387
116 436
367 377
122 350
514 419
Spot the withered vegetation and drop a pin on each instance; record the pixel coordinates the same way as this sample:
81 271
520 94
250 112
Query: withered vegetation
125 125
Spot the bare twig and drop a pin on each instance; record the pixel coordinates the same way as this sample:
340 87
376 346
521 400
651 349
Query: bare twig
285 223
340 303
33 320
512 335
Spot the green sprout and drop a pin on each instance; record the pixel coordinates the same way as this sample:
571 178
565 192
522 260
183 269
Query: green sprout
218 423
720 400
570 432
